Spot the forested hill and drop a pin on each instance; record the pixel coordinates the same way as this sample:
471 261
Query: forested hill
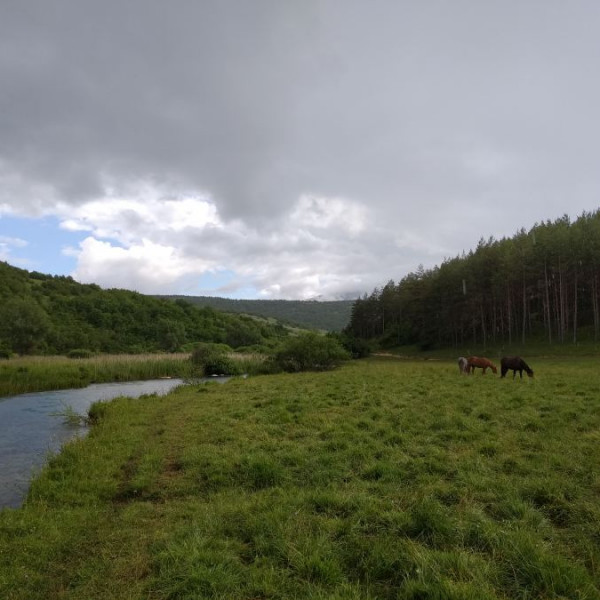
55 314
539 285
331 315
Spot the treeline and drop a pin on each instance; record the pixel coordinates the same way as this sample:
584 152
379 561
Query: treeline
541 284
55 314
327 315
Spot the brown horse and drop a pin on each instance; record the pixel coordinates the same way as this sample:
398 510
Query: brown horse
482 363
515 363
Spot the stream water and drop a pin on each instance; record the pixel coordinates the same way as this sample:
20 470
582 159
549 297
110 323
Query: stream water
31 427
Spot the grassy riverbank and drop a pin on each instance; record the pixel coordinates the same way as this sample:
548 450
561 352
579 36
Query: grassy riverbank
383 479
40 373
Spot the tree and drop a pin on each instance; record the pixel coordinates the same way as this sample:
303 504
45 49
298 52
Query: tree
541 282
24 325
171 334
310 352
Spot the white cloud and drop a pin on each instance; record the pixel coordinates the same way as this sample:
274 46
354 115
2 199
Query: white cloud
148 212
7 245
11 241
145 266
157 246
75 225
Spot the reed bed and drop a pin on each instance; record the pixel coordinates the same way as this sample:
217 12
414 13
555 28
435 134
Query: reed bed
38 373
250 363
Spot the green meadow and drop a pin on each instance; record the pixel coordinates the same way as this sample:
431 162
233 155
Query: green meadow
382 479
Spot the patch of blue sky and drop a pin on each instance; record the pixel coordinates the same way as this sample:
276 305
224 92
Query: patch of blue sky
38 244
223 283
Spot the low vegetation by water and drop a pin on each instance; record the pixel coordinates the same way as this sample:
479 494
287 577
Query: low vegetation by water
39 373
382 479
301 352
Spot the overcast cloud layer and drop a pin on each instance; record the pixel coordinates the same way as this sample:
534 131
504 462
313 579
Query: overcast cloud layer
295 149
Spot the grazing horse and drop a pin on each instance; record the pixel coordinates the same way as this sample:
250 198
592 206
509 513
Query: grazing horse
463 365
481 362
516 363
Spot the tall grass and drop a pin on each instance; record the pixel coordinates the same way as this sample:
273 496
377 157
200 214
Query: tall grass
250 363
31 374
384 479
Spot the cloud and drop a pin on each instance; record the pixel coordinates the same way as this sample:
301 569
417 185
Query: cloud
144 266
310 148
315 212
12 242
8 245
155 245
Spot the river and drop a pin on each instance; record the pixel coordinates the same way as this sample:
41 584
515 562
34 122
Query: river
30 427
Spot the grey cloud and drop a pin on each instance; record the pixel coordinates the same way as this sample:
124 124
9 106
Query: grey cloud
478 114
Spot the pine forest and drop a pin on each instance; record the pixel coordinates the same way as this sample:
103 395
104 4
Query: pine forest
540 285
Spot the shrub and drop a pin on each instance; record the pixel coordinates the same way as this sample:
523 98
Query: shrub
212 359
310 352
221 365
357 347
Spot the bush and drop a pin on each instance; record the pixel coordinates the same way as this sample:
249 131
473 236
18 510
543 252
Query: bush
357 347
310 352
221 365
212 359
5 353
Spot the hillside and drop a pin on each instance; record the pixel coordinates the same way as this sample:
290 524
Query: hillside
331 315
55 314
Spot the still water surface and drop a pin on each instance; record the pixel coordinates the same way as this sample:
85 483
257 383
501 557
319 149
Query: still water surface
30 428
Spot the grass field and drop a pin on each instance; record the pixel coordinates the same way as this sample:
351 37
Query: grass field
386 478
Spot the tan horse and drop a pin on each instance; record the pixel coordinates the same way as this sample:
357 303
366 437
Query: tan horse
474 362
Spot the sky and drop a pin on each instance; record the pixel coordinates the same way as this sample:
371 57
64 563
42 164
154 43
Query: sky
295 149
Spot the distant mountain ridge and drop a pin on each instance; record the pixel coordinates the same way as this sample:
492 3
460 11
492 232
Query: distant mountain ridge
328 315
